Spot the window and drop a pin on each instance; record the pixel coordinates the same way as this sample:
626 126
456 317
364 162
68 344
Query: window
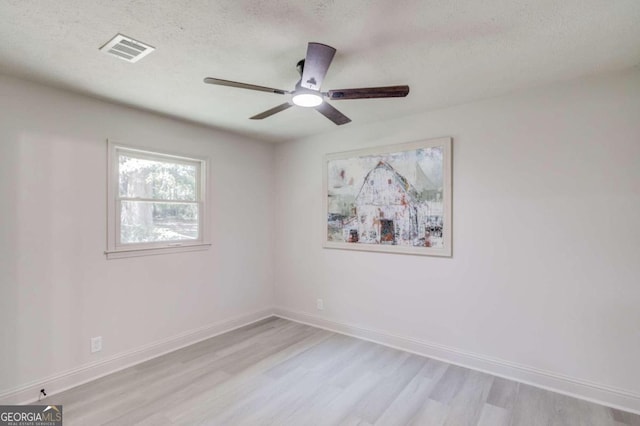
156 202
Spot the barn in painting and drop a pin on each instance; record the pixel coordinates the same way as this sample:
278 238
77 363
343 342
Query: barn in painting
387 208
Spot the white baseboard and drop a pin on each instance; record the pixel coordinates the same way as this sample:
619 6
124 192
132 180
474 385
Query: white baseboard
60 382
602 394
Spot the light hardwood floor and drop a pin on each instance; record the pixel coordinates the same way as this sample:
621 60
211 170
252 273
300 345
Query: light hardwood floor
277 372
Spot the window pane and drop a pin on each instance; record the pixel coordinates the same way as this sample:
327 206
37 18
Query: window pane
146 222
156 179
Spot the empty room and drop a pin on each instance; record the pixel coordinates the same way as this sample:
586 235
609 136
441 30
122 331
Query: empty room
320 213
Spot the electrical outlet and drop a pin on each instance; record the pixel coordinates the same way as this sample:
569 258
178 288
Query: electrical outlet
96 344
320 304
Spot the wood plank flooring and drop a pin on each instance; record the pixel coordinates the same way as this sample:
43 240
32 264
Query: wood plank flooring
277 372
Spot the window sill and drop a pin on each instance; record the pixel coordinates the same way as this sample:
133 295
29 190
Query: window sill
151 251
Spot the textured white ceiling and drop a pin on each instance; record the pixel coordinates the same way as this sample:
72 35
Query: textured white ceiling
449 52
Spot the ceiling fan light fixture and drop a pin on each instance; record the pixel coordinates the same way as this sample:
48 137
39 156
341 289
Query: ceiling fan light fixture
306 99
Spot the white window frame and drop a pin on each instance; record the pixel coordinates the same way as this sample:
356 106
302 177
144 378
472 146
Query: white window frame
115 249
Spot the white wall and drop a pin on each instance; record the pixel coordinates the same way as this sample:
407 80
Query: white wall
56 287
545 272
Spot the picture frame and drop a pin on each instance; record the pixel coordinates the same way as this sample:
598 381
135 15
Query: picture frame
392 199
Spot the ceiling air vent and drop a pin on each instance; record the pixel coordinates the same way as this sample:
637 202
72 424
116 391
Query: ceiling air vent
127 48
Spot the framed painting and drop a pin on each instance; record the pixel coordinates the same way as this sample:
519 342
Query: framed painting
394 199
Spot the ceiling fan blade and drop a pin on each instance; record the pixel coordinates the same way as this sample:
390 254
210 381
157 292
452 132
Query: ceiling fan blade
369 92
220 82
270 112
316 64
332 114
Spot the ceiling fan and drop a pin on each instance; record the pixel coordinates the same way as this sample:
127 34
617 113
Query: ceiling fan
307 92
